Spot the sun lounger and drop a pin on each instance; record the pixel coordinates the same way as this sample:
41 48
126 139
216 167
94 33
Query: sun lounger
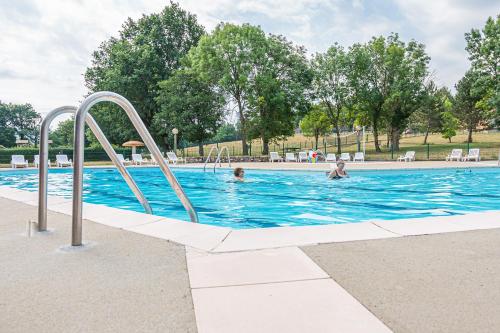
455 154
359 156
36 161
408 157
138 160
63 161
18 161
345 157
172 157
274 156
331 158
123 160
473 155
290 157
302 156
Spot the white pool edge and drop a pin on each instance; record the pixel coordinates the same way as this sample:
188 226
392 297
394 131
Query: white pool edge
219 239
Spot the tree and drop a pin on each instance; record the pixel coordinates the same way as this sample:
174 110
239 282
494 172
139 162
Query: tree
315 124
18 120
227 132
332 87
450 125
63 134
190 104
484 54
468 95
227 58
277 91
146 52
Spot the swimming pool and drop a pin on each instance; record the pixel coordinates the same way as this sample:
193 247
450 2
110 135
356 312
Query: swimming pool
285 198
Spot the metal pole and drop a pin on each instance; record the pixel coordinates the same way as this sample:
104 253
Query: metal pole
44 152
78 154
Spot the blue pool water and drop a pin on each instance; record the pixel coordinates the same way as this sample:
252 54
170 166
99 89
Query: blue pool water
285 198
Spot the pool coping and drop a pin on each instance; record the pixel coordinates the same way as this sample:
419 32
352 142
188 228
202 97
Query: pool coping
221 239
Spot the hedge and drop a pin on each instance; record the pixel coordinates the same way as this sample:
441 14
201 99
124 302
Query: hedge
91 154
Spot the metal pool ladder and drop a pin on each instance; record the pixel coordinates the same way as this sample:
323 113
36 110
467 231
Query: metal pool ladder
78 157
218 158
44 156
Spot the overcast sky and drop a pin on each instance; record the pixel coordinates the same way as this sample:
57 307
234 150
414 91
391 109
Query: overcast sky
45 46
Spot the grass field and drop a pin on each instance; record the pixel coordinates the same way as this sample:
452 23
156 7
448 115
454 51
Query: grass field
437 149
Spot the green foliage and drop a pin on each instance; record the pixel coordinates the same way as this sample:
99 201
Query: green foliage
227 132
484 53
315 123
190 104
146 52
18 120
62 136
469 95
450 125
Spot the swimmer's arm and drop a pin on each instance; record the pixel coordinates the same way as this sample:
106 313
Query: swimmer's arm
332 174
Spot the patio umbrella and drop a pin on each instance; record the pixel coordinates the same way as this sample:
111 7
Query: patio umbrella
133 144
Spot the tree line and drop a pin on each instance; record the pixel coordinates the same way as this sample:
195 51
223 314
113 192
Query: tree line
179 76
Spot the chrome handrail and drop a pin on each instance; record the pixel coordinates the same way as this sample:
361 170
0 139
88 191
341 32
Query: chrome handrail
218 160
210 154
78 155
44 159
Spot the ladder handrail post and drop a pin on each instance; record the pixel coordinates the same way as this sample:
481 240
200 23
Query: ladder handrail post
78 155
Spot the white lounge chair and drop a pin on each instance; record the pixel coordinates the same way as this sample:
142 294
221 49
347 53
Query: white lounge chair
274 156
172 157
290 157
123 160
345 157
63 161
18 161
138 160
473 155
302 156
455 154
331 158
407 157
359 156
36 161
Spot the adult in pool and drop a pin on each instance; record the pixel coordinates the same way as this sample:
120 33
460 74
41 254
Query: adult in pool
239 174
339 171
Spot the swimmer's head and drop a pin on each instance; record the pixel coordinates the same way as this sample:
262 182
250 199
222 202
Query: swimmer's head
239 172
341 164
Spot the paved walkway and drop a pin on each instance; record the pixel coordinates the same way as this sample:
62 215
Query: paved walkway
127 282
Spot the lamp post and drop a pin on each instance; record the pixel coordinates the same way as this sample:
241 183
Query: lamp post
175 131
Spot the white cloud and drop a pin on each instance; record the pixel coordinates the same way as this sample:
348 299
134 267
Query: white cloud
47 45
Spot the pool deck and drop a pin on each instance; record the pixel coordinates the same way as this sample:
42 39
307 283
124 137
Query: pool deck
139 272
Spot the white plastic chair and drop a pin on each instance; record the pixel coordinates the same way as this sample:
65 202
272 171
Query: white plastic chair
455 154
408 156
36 161
345 157
172 157
138 160
473 155
123 160
359 156
290 157
331 158
63 161
17 161
302 156
274 156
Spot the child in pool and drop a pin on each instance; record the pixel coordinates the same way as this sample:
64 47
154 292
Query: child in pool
239 174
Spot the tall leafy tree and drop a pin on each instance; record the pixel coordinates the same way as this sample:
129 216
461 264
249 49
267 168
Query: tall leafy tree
18 120
331 85
316 123
466 107
190 104
227 57
63 134
484 54
146 52
450 125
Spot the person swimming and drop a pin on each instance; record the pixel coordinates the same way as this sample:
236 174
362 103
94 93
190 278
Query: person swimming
339 172
239 174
